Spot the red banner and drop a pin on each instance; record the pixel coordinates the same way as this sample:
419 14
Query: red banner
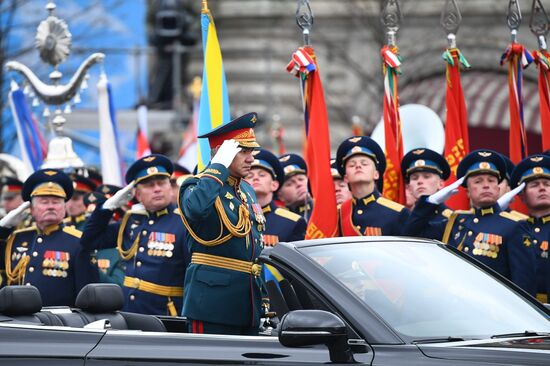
542 61
457 143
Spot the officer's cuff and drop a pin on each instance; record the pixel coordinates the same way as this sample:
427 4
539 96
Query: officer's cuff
216 171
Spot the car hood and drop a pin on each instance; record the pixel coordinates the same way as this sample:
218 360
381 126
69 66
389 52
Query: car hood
506 351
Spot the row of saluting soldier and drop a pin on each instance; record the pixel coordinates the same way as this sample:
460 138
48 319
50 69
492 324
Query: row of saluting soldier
189 241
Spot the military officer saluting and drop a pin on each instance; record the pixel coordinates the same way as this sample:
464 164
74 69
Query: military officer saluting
76 208
150 241
496 238
294 192
266 177
534 171
361 162
47 255
425 172
224 223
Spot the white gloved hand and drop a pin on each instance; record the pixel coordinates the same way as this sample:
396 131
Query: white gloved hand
445 193
15 216
508 197
226 153
120 198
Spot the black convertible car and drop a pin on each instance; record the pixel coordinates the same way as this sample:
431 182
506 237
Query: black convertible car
366 301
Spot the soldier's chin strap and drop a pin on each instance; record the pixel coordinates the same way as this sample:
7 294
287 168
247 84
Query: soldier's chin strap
240 230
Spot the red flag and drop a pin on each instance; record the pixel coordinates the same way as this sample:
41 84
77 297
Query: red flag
457 143
518 58
142 144
394 186
323 222
543 63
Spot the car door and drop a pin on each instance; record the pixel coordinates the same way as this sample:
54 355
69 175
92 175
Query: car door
39 345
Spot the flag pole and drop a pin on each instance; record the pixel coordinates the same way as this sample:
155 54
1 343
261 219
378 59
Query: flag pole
456 120
304 19
393 187
540 25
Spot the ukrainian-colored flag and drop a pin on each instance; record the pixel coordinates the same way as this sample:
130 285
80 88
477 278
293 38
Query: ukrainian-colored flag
214 101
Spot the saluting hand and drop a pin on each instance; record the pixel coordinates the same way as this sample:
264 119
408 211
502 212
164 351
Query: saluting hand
508 197
445 193
15 216
226 153
120 198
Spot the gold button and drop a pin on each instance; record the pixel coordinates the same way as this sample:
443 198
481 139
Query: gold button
470 233
359 212
34 254
535 241
31 269
358 227
476 220
39 240
138 264
141 249
151 222
144 232
466 249
132 297
537 229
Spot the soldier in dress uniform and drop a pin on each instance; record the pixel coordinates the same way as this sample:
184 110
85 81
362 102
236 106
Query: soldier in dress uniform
111 267
534 171
178 176
496 238
505 185
150 241
341 188
76 208
11 193
47 255
295 193
266 177
361 162
425 172
224 222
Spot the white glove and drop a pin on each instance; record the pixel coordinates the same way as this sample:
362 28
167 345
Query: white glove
14 217
226 153
508 197
445 193
120 198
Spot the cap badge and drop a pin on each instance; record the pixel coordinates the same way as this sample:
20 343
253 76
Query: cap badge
538 170
152 170
149 159
536 159
92 198
253 119
356 149
354 139
484 165
50 172
282 159
418 151
105 189
485 153
419 162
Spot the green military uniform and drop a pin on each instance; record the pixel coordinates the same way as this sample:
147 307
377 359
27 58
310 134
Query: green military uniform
222 292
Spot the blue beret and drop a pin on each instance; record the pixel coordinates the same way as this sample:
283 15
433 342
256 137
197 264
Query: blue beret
360 145
47 182
530 168
150 166
268 161
482 161
424 160
292 164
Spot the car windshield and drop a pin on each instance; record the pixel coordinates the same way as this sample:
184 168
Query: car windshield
424 291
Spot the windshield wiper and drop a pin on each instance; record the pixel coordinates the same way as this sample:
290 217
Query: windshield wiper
438 340
527 333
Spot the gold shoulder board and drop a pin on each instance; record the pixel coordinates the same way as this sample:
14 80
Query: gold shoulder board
510 216
390 204
447 212
32 228
72 231
287 214
519 215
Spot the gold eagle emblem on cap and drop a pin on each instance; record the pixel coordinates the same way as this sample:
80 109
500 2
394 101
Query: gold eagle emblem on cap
149 159
284 158
50 173
536 159
485 153
418 151
354 139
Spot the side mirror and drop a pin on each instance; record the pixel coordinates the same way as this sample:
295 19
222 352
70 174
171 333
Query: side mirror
312 327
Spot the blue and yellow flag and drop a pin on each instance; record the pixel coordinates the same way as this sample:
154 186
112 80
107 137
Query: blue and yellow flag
214 101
